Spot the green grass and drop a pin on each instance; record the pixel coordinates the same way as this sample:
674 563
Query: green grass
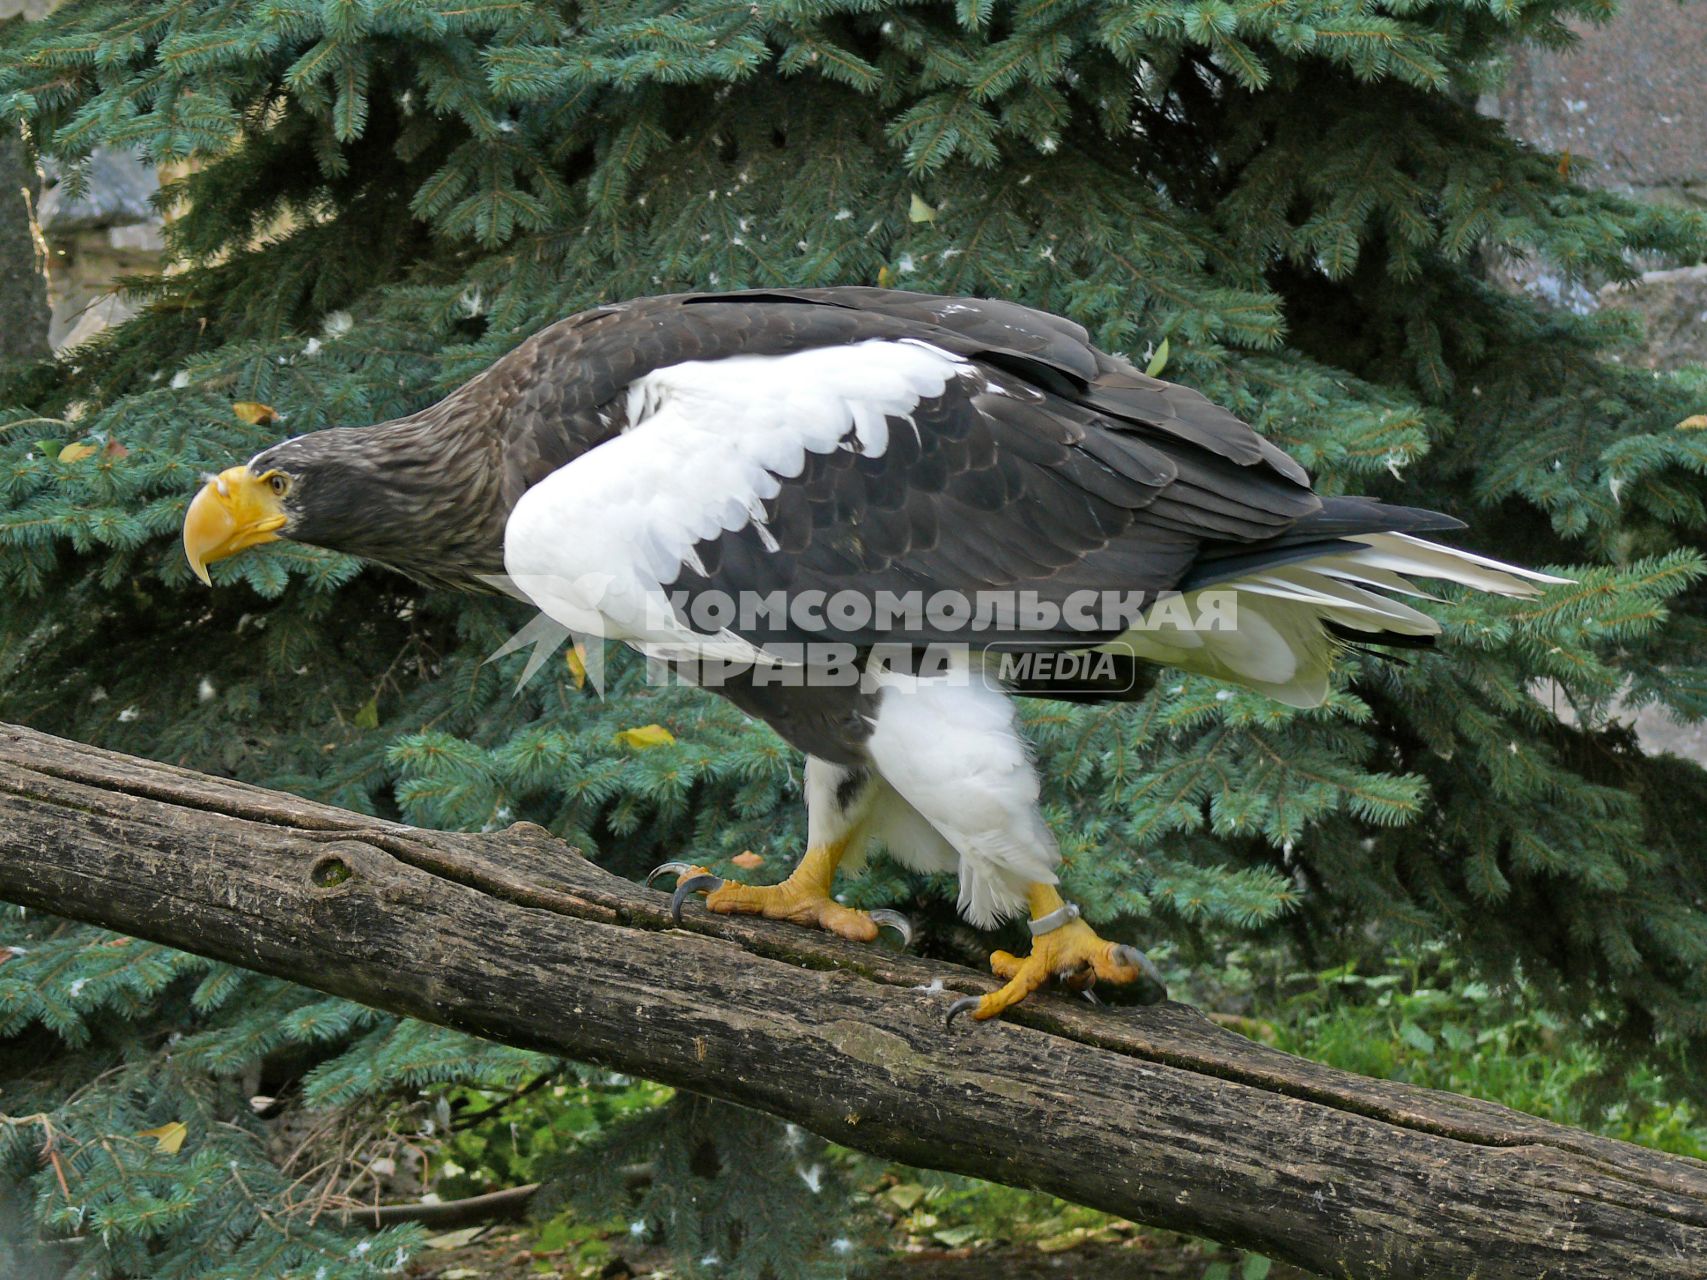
1420 1019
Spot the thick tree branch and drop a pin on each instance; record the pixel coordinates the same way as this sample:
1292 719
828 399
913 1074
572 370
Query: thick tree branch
1157 1115
448 1215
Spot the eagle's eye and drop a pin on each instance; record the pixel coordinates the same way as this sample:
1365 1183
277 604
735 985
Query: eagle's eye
279 483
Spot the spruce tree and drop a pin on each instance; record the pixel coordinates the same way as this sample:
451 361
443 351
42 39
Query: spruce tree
1291 206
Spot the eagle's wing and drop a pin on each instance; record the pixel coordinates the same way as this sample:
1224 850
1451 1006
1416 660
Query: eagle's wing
875 443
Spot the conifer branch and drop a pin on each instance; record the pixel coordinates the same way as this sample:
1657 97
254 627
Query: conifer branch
1157 1115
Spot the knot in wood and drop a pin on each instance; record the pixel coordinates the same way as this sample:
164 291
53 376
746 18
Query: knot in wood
331 871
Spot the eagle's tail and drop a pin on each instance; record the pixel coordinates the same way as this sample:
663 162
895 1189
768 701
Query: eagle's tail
1282 609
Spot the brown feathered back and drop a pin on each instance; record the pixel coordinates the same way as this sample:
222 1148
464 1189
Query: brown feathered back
429 494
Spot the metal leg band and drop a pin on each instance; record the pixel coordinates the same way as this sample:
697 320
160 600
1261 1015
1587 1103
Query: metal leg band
1055 919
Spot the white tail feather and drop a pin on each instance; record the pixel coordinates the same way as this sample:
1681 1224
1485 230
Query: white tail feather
1369 576
1405 554
1274 639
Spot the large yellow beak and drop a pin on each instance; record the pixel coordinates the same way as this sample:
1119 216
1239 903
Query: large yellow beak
234 510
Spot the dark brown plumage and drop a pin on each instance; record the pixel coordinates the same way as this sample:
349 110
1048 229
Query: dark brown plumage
1079 473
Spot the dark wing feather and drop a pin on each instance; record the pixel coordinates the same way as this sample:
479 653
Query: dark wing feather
1051 467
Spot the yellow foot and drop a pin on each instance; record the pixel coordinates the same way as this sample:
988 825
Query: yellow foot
803 898
1072 952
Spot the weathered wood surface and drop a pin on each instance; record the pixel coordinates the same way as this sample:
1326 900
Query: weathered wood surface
1155 1114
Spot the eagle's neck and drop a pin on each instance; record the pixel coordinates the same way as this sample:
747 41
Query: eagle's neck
429 494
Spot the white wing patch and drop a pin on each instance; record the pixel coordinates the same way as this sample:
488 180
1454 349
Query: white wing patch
708 443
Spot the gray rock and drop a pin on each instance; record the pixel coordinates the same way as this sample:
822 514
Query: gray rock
1673 305
117 194
1657 729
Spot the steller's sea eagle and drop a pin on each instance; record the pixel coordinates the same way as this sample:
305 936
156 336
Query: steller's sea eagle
939 496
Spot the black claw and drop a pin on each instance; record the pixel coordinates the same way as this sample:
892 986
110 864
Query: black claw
885 918
668 869
704 882
1151 988
963 1005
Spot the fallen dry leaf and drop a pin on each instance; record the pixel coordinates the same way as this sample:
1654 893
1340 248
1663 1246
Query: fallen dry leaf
168 1137
255 413
649 735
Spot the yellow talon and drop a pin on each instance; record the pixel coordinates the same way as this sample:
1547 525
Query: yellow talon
804 898
1071 951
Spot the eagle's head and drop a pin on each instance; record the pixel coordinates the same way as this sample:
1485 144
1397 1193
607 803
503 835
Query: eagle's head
312 489
400 494
235 510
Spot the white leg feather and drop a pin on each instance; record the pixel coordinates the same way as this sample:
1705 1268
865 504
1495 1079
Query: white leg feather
949 748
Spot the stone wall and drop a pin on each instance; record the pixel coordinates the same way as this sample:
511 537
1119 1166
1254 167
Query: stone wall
98 235
1625 103
88 241
1626 106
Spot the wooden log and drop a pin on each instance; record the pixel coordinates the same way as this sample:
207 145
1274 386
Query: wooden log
1155 1114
